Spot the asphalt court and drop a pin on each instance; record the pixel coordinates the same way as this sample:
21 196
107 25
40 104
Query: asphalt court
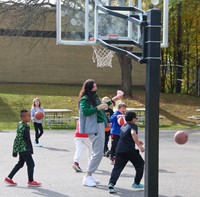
178 168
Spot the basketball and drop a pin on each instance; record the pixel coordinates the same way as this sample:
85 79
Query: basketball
181 137
121 120
39 115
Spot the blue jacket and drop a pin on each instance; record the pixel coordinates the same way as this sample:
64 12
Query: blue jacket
115 127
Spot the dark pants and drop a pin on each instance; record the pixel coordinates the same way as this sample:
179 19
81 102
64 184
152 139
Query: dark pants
30 166
107 135
38 131
114 142
120 162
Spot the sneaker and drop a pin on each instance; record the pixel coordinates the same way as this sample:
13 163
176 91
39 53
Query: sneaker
89 181
96 181
108 153
9 181
38 145
76 167
137 186
111 188
34 184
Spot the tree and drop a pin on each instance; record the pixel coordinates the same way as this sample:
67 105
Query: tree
181 58
126 70
26 18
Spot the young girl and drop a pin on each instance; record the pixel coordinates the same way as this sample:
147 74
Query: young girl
81 139
36 107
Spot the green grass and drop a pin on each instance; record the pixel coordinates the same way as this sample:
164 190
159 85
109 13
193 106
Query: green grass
13 97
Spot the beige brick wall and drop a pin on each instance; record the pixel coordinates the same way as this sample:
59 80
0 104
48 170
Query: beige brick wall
56 64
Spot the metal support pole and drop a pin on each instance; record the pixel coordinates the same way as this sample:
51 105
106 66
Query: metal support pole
152 46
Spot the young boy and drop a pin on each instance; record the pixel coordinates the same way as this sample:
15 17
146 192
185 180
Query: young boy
126 151
23 146
115 130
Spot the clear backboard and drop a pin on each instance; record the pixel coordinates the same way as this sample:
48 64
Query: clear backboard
80 22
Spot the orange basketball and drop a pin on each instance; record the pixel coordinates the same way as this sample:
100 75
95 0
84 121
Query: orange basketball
39 115
181 137
121 120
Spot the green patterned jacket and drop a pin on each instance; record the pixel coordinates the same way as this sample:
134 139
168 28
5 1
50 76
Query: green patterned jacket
22 143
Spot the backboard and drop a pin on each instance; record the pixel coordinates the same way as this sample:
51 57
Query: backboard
78 20
81 23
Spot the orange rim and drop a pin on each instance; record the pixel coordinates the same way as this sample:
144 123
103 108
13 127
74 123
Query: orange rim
112 35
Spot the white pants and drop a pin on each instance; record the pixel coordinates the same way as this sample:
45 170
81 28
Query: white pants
80 142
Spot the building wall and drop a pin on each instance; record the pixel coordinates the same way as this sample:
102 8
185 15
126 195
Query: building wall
55 64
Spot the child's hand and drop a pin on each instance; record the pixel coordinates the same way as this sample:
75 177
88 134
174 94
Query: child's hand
120 93
14 154
141 143
140 146
141 149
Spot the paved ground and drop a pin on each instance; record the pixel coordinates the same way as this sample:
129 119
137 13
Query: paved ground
178 169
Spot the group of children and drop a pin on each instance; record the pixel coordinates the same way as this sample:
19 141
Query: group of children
112 129
123 141
22 145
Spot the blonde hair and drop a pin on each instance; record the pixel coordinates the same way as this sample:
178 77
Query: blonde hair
105 98
33 103
121 105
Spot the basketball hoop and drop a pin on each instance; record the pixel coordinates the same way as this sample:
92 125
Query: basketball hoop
102 55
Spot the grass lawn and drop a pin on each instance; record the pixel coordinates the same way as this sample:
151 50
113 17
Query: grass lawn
13 97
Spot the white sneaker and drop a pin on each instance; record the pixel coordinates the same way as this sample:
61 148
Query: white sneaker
38 145
89 181
96 180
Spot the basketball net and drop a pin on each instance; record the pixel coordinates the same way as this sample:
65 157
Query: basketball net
102 55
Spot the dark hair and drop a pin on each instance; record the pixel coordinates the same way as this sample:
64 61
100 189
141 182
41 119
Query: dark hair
129 115
23 112
87 90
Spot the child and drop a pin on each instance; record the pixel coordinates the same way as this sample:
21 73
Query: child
108 112
23 146
36 107
120 95
80 140
126 151
115 130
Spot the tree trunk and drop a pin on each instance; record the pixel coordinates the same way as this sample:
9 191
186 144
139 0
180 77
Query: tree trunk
179 70
126 71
